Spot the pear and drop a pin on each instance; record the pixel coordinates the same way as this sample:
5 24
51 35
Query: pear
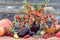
42 32
16 36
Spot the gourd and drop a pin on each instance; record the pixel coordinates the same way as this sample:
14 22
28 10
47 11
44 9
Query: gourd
50 30
6 24
2 31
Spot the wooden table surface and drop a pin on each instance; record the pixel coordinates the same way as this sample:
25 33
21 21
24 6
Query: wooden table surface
32 38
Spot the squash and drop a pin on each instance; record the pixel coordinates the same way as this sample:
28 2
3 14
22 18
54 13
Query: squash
50 30
2 31
6 24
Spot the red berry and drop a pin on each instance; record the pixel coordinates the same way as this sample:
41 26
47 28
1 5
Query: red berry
17 17
22 28
46 16
25 21
46 21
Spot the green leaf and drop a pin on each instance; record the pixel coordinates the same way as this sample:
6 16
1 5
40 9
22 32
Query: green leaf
46 1
36 6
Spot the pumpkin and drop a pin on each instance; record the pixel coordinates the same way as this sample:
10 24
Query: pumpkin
6 24
2 31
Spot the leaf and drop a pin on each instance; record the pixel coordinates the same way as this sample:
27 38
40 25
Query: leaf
46 1
36 6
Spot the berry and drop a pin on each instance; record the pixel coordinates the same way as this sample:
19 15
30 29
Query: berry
17 17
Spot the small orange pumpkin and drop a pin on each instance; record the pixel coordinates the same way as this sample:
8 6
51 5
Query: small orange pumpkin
2 31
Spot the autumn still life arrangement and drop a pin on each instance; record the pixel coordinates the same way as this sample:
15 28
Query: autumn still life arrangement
34 22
